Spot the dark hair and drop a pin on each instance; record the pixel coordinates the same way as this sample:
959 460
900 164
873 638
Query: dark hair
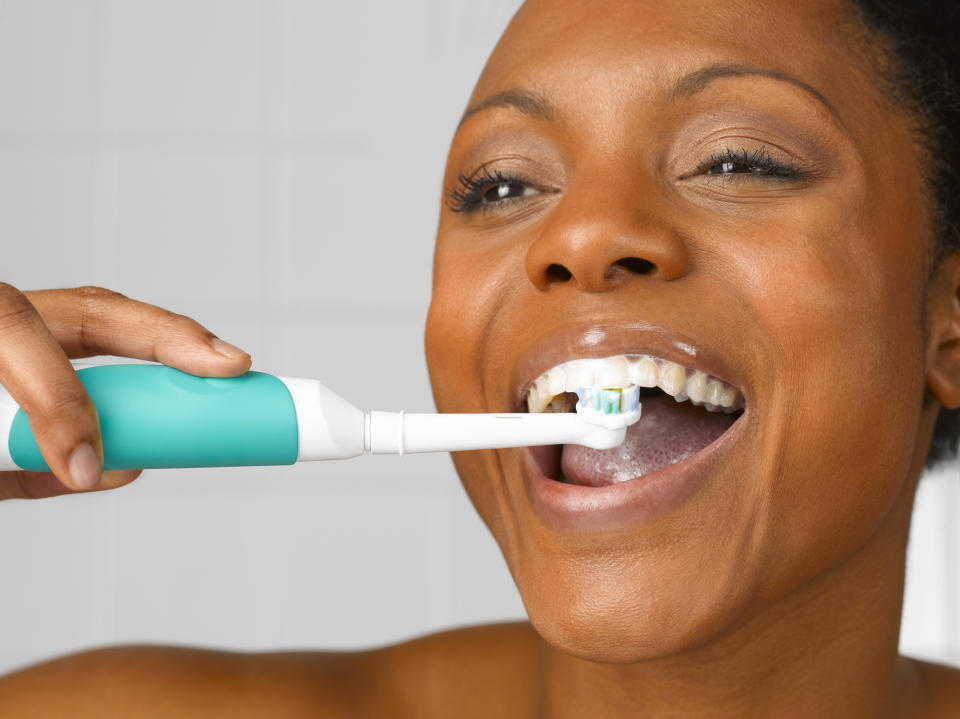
920 45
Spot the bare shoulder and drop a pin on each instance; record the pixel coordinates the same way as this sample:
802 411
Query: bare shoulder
473 671
148 681
941 686
479 671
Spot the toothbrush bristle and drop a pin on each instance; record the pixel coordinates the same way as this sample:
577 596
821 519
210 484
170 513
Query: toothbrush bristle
610 404
610 408
609 401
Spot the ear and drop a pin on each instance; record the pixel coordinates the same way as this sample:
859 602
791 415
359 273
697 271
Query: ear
943 323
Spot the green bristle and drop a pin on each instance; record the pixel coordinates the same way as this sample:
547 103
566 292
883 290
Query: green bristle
611 401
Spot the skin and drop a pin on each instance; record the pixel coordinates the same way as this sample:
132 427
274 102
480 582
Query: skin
777 589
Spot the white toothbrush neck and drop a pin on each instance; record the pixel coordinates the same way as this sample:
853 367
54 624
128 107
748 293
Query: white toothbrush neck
400 433
329 427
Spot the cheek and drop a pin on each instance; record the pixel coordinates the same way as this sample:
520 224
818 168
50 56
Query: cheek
470 283
453 333
836 319
470 290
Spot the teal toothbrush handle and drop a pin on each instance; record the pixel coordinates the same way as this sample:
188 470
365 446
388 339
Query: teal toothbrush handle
153 416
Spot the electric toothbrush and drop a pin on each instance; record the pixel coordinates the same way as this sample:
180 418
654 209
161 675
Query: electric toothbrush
154 416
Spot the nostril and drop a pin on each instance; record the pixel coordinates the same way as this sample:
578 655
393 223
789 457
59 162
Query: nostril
635 264
557 273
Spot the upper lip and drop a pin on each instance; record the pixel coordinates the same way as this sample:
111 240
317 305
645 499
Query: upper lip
603 339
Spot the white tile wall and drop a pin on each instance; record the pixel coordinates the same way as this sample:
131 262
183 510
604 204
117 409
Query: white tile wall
181 66
272 168
48 193
49 70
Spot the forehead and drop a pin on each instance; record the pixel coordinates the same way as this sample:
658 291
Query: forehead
604 49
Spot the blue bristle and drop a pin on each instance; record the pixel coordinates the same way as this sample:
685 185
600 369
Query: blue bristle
630 399
585 394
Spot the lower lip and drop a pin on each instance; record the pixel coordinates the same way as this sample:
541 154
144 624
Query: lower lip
571 508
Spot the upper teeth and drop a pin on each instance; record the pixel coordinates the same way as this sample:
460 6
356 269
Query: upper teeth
641 370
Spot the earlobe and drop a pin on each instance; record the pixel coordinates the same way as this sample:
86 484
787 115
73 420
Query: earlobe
943 318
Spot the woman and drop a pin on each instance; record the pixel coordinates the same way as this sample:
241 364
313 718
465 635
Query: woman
751 202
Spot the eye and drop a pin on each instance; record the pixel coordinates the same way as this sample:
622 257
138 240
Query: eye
487 191
757 164
505 191
729 167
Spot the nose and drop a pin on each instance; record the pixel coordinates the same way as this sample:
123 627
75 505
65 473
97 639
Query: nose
597 238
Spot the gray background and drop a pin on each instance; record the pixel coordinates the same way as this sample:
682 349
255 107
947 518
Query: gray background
271 168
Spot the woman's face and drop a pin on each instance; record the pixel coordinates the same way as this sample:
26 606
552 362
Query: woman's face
721 187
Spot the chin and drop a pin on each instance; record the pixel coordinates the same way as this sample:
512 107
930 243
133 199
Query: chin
621 631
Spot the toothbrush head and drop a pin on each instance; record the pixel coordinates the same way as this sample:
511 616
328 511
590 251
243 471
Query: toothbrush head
609 408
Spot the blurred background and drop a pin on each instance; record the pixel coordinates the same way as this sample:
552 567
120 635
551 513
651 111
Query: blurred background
271 168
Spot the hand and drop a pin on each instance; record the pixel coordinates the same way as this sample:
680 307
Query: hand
41 330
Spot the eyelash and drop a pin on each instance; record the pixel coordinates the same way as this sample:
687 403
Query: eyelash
759 164
467 195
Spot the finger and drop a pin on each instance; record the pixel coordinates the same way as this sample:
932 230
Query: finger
31 485
36 373
116 478
92 321
38 485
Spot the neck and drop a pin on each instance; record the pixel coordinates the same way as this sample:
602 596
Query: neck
828 649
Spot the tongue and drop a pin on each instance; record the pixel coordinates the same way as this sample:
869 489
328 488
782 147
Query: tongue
668 432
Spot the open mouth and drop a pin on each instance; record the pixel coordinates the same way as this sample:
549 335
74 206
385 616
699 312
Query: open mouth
683 411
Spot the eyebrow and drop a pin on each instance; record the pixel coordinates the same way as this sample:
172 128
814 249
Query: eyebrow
529 103
538 107
699 79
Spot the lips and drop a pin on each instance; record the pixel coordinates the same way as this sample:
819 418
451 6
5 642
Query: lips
666 457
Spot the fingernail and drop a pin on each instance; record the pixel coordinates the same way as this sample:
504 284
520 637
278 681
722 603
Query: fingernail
84 467
226 349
